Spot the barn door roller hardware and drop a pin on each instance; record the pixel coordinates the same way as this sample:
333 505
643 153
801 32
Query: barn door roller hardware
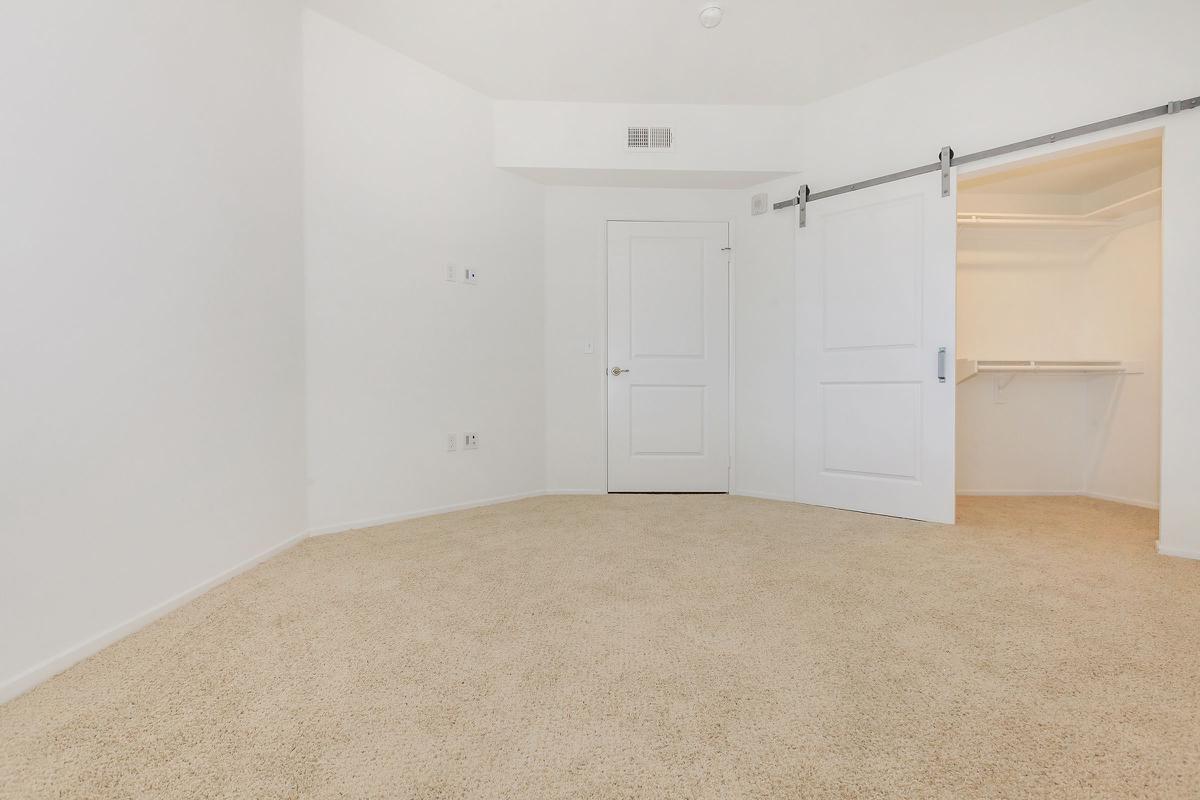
801 200
947 159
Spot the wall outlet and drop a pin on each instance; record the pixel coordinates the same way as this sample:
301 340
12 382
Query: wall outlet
470 276
451 273
451 442
470 441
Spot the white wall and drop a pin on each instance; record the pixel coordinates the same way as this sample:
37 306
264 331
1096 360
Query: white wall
576 269
151 324
592 136
1091 62
1179 532
399 183
764 338
1029 437
1124 413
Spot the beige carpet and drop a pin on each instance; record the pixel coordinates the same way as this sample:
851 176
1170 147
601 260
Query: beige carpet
654 647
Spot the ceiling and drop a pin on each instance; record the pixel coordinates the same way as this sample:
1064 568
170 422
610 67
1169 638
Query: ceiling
1078 173
766 52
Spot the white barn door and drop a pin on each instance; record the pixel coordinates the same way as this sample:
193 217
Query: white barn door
668 357
876 301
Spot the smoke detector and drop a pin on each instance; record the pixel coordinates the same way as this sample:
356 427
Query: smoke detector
711 14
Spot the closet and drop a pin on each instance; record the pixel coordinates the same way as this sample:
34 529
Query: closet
1059 325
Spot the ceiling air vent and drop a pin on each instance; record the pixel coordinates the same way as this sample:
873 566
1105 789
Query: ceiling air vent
645 138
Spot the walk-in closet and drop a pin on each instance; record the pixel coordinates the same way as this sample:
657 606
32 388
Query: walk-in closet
1059 325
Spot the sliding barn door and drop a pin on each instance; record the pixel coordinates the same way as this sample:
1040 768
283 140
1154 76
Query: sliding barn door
874 390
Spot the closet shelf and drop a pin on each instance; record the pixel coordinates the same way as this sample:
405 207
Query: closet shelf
1109 216
970 367
1035 221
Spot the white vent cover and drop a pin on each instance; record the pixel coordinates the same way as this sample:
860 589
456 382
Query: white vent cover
642 137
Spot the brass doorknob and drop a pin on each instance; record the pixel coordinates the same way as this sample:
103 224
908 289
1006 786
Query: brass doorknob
617 371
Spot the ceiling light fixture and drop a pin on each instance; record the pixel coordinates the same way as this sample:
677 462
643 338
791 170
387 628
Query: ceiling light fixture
711 15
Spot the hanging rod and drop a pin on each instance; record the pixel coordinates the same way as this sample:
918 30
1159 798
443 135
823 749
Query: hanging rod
804 196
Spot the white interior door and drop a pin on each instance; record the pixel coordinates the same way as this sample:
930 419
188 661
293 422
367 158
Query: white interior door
875 300
668 357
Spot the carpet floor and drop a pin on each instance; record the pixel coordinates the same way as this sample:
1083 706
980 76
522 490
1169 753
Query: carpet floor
654 647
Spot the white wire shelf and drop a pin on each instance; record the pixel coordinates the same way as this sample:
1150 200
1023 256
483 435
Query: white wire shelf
970 367
1109 216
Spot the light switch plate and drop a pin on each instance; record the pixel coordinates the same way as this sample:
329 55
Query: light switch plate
470 441
470 276
759 204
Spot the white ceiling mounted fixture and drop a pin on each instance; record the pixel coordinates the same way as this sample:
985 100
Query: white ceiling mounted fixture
711 15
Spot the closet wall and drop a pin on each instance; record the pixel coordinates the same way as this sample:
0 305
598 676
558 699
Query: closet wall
1084 289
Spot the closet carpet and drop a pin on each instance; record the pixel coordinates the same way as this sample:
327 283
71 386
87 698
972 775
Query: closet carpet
654 647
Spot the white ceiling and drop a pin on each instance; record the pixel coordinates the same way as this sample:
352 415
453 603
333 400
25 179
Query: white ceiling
766 52
1085 171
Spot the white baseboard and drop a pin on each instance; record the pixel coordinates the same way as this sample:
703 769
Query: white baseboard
1057 493
47 669
762 496
424 512
1178 552
1129 501
1019 493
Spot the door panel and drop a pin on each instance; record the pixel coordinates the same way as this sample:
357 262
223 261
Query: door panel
666 420
668 334
872 284
872 429
667 298
875 300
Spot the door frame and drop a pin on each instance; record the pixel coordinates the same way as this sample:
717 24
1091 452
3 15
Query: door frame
729 223
1092 141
